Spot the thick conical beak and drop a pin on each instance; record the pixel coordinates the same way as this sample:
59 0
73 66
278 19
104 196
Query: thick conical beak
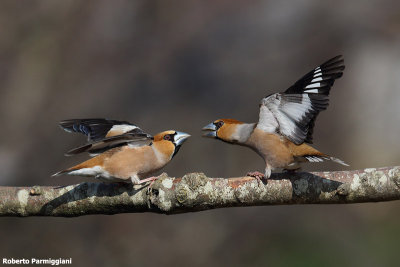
180 137
211 130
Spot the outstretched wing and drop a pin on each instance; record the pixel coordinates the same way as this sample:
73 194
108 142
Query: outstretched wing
105 134
293 112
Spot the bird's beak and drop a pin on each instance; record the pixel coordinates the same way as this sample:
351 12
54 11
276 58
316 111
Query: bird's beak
211 130
180 137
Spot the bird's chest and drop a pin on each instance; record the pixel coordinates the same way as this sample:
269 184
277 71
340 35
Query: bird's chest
132 162
272 147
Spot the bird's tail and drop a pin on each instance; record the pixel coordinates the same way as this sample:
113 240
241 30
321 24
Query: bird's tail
59 173
64 171
323 157
338 161
311 154
89 167
73 168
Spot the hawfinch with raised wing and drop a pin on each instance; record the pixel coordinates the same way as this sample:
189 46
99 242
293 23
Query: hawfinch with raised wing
122 152
286 122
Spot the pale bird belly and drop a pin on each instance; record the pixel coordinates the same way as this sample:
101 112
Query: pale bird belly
97 172
90 172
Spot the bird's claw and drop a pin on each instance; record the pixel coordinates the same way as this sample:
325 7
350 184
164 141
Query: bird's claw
258 175
149 188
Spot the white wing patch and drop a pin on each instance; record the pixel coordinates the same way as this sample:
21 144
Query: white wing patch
267 121
313 91
285 113
120 129
297 110
317 77
123 128
293 112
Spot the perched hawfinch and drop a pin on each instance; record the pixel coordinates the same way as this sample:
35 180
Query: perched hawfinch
122 152
285 123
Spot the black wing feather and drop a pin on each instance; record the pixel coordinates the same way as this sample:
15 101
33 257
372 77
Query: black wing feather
321 78
97 129
109 143
94 129
295 110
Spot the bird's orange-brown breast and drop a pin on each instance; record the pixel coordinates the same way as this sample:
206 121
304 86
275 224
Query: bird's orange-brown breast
277 150
132 161
165 148
271 147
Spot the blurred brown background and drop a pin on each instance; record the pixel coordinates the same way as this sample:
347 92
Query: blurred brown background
179 65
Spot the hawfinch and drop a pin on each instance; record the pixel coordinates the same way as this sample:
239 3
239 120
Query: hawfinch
121 151
286 122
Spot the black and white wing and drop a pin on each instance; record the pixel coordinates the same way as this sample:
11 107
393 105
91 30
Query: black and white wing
293 112
105 134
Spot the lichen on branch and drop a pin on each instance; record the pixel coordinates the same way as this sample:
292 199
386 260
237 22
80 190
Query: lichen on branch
196 192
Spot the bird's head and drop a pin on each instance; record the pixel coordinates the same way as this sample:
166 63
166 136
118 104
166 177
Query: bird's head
223 129
169 142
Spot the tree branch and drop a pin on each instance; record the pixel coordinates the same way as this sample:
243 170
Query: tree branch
196 192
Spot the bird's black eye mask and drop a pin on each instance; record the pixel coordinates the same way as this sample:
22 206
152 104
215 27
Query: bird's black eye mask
218 124
169 137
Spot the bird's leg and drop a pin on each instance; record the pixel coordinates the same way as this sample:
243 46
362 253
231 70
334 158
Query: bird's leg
268 171
147 180
259 176
256 174
149 189
152 179
136 180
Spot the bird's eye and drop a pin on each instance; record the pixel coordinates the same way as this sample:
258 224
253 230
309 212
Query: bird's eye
168 137
219 124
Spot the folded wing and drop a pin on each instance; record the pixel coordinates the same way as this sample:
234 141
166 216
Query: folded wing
293 112
105 134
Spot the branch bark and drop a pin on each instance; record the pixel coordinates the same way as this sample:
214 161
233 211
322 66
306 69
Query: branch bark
196 192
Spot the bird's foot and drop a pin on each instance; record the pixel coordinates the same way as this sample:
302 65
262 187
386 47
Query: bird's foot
150 179
151 185
258 175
